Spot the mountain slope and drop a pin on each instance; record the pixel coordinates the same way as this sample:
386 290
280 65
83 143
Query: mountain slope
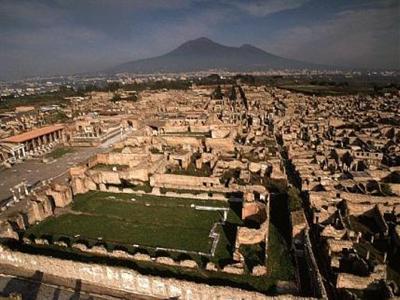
204 54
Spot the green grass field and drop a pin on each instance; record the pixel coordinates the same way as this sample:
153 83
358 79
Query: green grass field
148 221
166 222
59 152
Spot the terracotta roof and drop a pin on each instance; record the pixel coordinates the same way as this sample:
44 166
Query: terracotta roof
26 136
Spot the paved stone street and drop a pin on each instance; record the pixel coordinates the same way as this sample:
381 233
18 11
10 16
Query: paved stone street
35 170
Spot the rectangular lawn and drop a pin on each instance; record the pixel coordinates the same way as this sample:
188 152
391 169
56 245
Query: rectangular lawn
136 219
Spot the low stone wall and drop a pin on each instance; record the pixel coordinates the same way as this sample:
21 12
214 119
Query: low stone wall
350 281
316 278
125 279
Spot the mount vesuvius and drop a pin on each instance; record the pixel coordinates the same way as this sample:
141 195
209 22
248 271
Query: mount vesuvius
204 54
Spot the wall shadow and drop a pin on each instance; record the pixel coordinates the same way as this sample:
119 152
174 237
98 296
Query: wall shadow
28 288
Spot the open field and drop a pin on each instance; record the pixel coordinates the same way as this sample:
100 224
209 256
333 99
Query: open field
327 90
144 220
162 221
60 152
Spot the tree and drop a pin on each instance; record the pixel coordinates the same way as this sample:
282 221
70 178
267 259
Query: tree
217 94
232 93
386 189
116 98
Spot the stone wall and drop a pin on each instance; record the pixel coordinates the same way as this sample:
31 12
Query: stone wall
316 278
220 145
124 279
185 182
350 281
38 205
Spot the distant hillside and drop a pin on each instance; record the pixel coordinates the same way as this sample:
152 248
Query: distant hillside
204 54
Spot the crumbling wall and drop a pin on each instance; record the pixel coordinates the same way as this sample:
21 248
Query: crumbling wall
61 194
123 279
184 182
350 281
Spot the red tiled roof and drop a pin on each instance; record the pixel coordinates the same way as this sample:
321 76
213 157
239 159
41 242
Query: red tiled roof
26 136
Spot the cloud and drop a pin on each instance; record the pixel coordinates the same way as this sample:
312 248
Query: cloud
29 13
361 38
263 8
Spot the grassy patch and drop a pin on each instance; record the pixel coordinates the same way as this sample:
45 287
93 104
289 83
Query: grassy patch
127 219
294 199
280 264
253 254
327 90
59 152
48 98
125 232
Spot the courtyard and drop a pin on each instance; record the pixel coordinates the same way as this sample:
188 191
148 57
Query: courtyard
143 221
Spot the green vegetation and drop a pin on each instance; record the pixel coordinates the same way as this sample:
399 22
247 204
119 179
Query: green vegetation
59 152
116 97
123 219
56 117
231 173
48 98
123 231
278 186
158 85
254 255
386 189
155 151
217 93
294 199
279 263
182 191
323 90
232 93
191 170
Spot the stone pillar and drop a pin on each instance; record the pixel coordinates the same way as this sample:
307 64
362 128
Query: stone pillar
26 190
20 196
13 194
225 215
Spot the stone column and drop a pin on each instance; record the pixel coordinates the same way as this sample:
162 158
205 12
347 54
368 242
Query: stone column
13 194
225 215
26 189
20 196
34 145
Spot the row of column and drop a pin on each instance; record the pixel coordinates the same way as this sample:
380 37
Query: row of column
19 191
19 153
39 142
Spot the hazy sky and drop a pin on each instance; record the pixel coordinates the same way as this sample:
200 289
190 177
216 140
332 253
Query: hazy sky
68 36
